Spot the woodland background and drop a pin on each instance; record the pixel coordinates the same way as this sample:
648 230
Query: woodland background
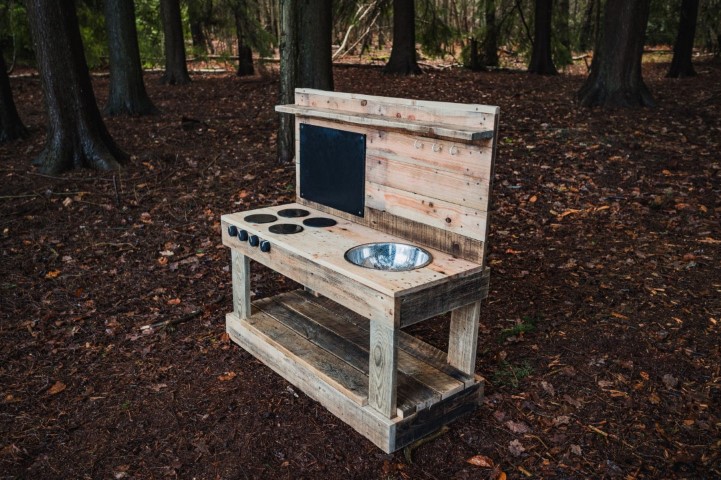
600 337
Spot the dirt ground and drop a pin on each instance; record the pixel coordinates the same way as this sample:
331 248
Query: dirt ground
599 339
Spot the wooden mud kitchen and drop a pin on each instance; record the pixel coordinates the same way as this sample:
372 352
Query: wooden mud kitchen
388 229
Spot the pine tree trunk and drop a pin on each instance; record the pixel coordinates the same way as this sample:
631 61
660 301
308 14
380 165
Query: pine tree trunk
11 127
615 79
315 52
403 52
541 59
584 40
127 91
490 44
76 134
305 59
288 78
176 68
681 65
245 54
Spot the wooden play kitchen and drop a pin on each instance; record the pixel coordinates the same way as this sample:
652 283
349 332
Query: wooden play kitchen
388 229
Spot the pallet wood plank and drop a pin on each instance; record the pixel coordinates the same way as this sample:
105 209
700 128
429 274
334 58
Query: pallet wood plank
345 379
415 126
348 343
455 113
418 382
240 272
365 420
419 306
463 337
409 347
383 368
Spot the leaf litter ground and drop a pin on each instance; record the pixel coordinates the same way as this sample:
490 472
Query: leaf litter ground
599 339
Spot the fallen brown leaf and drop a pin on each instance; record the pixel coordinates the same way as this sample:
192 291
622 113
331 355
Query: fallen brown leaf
480 461
227 376
57 388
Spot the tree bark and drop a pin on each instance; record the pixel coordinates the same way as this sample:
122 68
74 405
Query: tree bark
584 40
127 91
615 79
245 54
681 65
11 127
176 68
305 59
76 134
564 31
403 52
490 44
315 52
288 78
541 58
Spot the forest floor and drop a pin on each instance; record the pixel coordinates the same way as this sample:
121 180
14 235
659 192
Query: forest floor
600 339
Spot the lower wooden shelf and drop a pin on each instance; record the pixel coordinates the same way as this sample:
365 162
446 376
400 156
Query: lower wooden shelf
322 348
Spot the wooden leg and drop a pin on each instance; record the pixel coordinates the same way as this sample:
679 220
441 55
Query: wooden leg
240 271
463 339
382 368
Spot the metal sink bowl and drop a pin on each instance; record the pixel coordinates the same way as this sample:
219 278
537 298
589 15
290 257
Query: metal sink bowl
390 257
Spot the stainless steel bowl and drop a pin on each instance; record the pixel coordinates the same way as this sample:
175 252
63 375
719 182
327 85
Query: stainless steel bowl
391 257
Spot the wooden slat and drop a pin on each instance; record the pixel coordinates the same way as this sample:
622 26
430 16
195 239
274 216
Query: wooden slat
365 420
428 421
352 383
408 344
438 184
430 129
427 383
383 368
347 342
433 301
474 159
426 210
463 337
472 115
240 273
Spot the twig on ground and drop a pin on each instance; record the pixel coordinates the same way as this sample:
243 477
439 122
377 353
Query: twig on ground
176 321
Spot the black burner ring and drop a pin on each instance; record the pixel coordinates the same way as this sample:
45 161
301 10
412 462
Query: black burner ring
285 228
293 213
319 222
260 218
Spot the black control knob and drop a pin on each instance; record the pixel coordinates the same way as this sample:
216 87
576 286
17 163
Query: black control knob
232 230
265 246
253 240
242 235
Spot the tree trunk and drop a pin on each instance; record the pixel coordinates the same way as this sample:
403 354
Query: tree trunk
490 44
541 59
403 52
176 68
305 59
11 127
475 61
127 91
615 79
564 32
288 78
315 52
76 134
584 40
245 54
681 65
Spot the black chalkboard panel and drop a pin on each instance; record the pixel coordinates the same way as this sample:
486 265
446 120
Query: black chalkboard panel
332 168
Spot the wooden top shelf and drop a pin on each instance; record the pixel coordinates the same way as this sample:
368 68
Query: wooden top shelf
425 128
